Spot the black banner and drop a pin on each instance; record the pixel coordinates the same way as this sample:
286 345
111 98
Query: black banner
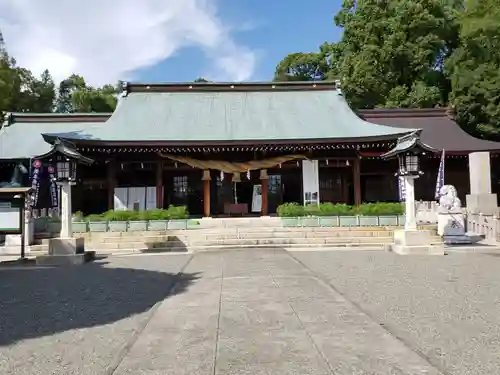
35 182
53 187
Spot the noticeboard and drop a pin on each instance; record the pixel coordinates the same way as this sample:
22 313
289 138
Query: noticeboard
10 217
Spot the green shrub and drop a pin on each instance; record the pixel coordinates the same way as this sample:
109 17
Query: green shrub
171 213
380 208
177 212
340 209
291 210
95 217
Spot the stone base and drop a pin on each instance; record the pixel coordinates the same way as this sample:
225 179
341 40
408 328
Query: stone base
415 242
485 204
465 239
65 260
451 224
66 246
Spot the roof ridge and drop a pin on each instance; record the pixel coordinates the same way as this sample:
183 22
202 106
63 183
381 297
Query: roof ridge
128 87
405 112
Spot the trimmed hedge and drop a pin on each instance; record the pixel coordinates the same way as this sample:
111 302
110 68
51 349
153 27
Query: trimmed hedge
171 213
330 209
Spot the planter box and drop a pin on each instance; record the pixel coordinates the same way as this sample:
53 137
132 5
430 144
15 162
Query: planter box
368 221
118 226
348 221
53 226
40 224
79 226
177 224
290 222
193 224
98 226
312 221
388 220
401 219
138 226
158 225
329 221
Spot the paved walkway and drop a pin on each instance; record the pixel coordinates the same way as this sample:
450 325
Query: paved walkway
252 312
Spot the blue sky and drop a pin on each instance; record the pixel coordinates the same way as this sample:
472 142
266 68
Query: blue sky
270 28
163 40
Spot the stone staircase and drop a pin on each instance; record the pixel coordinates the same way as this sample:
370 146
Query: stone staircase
234 233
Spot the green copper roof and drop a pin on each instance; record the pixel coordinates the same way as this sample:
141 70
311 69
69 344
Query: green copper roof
22 140
235 113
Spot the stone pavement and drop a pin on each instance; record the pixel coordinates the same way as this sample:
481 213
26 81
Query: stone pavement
254 312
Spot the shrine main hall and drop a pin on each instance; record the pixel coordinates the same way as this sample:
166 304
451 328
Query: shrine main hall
244 148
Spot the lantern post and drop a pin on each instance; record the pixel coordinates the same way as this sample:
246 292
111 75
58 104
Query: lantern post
63 160
408 151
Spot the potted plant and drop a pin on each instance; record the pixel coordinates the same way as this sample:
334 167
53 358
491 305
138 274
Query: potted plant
290 214
97 223
118 220
79 225
158 219
139 222
178 217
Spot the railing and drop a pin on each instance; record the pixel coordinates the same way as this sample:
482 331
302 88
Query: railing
484 225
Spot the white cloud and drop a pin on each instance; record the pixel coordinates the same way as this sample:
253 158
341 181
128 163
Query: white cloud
106 40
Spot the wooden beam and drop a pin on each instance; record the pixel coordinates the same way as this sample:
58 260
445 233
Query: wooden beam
159 184
357 181
206 193
264 179
111 183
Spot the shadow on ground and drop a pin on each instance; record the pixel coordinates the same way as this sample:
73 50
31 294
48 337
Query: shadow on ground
36 301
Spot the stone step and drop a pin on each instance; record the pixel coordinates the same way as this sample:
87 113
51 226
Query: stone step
216 237
141 244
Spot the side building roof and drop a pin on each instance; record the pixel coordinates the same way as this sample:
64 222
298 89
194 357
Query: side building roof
439 130
21 133
207 113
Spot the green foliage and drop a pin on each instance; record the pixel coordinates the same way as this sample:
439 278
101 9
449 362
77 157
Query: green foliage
171 213
330 209
474 69
75 96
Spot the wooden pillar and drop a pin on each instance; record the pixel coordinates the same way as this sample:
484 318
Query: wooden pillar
264 179
206 193
111 183
357 181
159 184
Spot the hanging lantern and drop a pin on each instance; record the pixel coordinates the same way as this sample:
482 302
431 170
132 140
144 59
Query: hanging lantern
409 164
221 175
248 175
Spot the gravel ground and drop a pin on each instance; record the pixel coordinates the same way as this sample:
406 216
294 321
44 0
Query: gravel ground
447 308
45 313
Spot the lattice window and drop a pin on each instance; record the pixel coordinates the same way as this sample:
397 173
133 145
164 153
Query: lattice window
181 186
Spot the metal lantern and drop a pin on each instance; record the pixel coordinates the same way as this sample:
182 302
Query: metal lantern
66 170
408 151
409 164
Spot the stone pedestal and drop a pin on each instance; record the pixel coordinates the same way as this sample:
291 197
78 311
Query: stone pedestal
451 226
66 251
480 199
485 204
415 242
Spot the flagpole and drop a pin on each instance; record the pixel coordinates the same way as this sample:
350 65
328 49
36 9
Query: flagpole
440 175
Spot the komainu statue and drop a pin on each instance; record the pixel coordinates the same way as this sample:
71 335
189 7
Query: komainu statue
448 199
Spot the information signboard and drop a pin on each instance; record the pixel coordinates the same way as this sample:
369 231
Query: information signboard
10 218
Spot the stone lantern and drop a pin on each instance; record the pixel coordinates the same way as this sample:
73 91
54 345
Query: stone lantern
63 160
409 150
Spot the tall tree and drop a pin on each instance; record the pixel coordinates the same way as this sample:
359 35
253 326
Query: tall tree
75 95
474 69
20 91
393 51
315 66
